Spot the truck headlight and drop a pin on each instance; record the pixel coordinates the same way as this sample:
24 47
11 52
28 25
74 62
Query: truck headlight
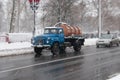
48 40
32 41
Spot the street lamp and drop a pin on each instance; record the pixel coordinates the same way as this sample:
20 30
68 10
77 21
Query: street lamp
34 6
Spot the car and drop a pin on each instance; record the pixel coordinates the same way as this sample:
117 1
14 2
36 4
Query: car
107 40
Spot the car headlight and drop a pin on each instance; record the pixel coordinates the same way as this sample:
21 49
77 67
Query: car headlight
108 41
97 41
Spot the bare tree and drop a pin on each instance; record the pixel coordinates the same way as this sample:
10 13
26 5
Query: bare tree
58 11
18 16
1 16
13 16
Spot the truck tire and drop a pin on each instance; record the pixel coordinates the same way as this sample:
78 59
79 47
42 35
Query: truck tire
55 49
117 44
77 46
62 48
38 50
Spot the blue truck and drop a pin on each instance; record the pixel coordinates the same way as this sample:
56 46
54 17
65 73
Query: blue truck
54 39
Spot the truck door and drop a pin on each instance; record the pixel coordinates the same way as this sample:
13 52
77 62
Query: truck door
61 35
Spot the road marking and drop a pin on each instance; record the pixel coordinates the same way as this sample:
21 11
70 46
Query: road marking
38 64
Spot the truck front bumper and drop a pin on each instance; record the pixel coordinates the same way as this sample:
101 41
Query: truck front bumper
41 46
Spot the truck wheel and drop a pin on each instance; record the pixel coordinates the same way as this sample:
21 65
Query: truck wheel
77 46
38 50
117 44
62 48
55 49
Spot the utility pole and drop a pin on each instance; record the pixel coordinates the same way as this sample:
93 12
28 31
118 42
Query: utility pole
18 16
100 19
34 29
59 8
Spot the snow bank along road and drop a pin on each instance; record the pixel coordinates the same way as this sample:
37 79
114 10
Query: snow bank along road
16 48
7 49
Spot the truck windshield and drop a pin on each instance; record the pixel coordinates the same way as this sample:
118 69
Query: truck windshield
50 31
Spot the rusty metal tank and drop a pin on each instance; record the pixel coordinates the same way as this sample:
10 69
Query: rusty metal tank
70 30
67 30
78 30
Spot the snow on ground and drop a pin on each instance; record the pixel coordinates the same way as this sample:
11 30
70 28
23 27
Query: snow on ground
117 77
16 52
15 48
17 45
25 47
22 45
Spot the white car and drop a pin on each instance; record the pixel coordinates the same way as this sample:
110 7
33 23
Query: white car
107 40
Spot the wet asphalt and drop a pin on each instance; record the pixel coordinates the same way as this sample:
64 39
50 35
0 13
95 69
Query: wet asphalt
90 63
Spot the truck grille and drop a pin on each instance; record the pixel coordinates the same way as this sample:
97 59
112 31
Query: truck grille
41 41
